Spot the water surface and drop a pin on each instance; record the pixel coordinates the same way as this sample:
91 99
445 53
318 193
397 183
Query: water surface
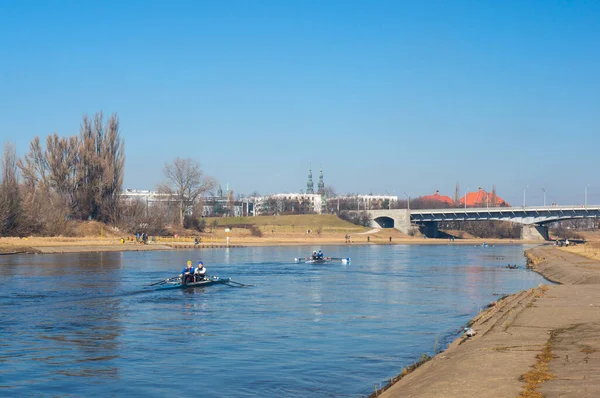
83 324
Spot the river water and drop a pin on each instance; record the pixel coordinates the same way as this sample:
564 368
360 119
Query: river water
84 325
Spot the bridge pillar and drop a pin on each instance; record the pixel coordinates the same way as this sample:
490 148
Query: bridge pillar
535 232
430 229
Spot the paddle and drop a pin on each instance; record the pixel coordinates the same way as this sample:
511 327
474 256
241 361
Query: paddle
164 281
241 284
208 277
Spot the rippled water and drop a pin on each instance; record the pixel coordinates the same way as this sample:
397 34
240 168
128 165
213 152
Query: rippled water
83 324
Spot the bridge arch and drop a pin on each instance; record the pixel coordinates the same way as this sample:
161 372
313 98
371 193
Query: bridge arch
384 221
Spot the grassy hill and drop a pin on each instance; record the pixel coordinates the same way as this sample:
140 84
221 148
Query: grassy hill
289 223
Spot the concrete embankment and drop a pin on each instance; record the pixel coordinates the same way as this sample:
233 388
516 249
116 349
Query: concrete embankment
540 342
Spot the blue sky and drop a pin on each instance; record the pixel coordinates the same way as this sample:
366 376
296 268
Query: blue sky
388 96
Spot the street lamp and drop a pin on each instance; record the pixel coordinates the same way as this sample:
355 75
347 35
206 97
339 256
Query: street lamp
586 187
487 199
407 200
544 196
524 195
467 191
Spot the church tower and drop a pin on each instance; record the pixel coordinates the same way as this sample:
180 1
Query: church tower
310 188
321 186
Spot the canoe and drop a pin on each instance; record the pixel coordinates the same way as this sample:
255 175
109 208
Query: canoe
207 282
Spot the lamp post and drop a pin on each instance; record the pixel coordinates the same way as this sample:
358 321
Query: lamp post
544 196
586 187
524 195
407 200
487 199
467 191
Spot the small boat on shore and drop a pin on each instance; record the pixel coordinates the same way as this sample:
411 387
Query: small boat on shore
177 284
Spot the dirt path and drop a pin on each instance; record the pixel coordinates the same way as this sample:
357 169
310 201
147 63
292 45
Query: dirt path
542 341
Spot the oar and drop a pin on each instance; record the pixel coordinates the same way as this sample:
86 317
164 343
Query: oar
164 281
241 284
340 258
210 277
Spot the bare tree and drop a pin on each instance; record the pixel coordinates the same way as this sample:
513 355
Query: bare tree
457 195
494 196
100 168
186 182
81 174
329 191
10 200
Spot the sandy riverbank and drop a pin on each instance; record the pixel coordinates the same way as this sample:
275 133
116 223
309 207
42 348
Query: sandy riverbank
44 245
544 342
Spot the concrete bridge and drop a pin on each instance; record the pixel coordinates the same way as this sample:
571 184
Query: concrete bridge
532 218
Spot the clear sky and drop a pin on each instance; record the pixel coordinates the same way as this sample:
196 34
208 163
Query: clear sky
388 96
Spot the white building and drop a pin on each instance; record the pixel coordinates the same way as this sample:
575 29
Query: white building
313 201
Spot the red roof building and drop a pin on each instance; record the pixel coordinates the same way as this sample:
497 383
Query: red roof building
436 197
482 198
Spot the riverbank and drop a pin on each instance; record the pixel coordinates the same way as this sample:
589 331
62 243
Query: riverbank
49 245
540 342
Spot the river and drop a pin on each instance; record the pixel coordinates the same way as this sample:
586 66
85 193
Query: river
84 324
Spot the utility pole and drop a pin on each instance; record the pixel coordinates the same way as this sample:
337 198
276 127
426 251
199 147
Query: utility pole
586 187
544 196
407 200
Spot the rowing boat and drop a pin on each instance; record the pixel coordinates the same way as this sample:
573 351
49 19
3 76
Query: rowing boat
213 280
326 260
318 261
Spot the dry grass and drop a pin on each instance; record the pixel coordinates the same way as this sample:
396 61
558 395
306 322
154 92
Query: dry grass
589 250
539 374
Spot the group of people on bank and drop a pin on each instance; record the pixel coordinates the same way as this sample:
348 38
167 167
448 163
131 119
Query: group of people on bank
190 274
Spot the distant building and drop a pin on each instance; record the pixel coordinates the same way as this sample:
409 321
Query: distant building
288 203
144 195
310 188
482 198
436 197
220 205
321 186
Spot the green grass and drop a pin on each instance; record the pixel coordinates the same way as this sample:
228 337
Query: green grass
328 222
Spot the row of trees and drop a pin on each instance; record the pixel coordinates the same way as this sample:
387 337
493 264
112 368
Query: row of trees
81 178
78 177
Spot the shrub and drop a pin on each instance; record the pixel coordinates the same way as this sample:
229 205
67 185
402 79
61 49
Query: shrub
356 217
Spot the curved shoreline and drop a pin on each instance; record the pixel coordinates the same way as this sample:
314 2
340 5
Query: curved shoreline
40 245
545 340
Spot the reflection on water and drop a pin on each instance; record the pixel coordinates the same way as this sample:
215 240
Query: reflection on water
86 324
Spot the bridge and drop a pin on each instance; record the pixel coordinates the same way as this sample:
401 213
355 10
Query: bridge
532 218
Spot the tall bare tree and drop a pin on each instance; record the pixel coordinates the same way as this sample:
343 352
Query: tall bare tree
100 170
10 200
81 175
186 183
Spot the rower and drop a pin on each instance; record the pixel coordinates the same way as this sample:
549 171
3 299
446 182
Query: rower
187 274
320 255
314 255
200 272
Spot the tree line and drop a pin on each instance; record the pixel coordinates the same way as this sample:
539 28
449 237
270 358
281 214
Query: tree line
79 178
69 178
